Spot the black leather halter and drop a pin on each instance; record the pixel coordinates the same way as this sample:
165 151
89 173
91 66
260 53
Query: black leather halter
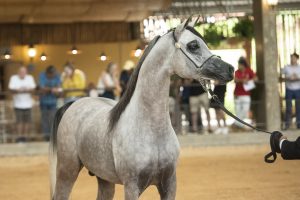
268 158
178 46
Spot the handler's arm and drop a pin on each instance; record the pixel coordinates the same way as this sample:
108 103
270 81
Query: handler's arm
290 150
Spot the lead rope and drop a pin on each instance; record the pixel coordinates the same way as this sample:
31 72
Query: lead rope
268 158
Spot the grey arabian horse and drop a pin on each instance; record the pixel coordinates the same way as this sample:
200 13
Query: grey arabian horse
131 142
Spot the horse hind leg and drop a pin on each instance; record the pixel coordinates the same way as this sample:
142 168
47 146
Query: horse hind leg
68 169
106 190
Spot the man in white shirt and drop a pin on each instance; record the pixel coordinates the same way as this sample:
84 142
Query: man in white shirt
22 85
292 79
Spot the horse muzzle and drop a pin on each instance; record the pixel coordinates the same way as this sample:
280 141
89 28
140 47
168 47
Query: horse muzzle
217 69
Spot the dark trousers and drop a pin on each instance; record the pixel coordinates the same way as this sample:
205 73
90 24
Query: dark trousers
108 94
47 112
290 95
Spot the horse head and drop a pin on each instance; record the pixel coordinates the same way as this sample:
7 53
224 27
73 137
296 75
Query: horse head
195 60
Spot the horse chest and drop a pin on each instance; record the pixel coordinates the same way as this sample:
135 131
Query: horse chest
145 151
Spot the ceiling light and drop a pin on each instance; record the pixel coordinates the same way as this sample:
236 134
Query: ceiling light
43 57
74 51
138 52
7 55
103 57
31 51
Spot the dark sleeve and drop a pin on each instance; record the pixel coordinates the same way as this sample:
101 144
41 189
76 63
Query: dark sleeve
290 150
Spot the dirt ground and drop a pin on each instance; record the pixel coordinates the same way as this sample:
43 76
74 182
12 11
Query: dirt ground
227 173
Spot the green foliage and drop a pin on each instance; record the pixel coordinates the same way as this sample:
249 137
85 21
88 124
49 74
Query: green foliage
244 28
213 35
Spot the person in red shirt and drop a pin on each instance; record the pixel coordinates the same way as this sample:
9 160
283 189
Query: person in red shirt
244 78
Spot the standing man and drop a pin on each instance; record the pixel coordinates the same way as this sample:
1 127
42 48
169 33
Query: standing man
220 91
22 85
292 78
49 82
198 99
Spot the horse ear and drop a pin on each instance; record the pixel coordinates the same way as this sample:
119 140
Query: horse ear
182 26
188 21
194 22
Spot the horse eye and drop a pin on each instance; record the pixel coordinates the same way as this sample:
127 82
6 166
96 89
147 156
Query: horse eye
193 45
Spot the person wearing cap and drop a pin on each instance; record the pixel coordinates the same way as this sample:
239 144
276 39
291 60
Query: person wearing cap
49 83
292 78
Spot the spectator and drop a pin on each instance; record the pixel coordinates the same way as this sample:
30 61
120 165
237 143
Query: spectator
125 75
73 83
92 90
292 78
185 103
108 82
198 99
174 108
22 85
243 76
220 91
49 83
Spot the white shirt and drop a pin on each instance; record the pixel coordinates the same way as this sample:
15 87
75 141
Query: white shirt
288 71
22 100
107 78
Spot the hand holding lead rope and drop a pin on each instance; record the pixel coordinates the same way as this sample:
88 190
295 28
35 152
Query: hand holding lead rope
275 148
274 138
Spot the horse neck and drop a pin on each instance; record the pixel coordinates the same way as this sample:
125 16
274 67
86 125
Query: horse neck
153 85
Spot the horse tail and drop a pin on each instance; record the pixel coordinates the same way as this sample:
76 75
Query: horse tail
53 144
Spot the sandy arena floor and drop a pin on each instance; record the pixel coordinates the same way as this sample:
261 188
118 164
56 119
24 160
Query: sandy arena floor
227 173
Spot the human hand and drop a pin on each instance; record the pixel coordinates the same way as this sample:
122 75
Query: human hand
22 89
283 138
47 89
294 77
54 90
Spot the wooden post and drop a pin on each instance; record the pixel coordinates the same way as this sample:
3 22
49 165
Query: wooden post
268 110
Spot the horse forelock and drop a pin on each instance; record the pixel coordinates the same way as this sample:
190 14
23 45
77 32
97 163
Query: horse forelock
119 108
194 31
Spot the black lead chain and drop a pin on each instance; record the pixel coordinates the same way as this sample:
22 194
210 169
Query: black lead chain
268 158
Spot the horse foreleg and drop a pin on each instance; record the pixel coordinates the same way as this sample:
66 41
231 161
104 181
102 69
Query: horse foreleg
167 188
132 191
106 190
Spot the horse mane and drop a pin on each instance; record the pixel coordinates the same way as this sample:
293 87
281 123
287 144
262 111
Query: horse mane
119 108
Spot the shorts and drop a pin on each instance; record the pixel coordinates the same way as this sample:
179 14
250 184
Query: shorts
23 115
196 102
214 104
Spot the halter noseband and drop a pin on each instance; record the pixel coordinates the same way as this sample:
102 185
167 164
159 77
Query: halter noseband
178 46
